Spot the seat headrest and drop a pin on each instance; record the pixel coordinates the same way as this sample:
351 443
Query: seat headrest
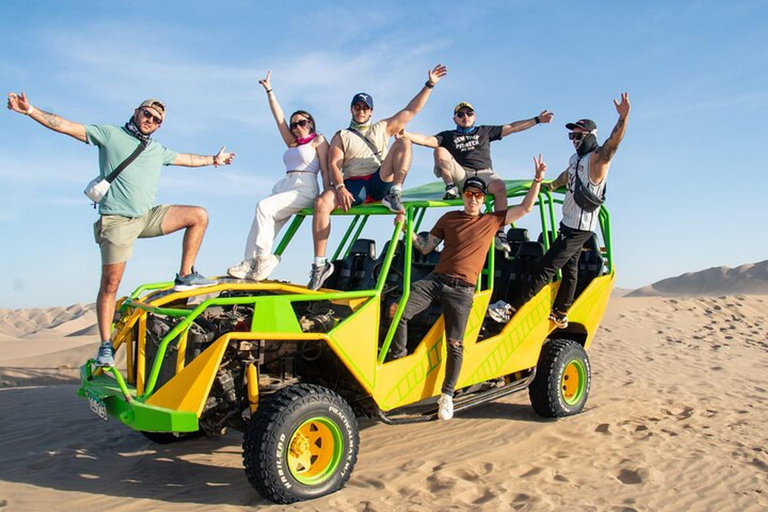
364 246
531 249
517 235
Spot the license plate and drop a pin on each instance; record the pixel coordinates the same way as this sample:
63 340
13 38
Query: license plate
97 406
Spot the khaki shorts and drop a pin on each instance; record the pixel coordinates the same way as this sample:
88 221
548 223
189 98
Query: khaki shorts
116 234
459 174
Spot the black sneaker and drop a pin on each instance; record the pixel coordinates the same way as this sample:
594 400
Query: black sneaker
393 201
559 319
451 192
318 275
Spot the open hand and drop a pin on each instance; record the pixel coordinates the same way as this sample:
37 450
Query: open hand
623 108
266 83
18 103
222 157
546 116
344 198
437 73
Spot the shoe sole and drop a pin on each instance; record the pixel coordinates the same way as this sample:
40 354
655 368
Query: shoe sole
389 205
236 274
186 287
104 365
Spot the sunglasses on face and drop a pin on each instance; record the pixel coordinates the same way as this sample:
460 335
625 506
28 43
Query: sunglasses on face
577 135
149 115
465 113
477 195
300 122
361 107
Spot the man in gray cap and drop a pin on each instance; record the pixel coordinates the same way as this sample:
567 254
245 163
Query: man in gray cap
585 181
467 236
127 211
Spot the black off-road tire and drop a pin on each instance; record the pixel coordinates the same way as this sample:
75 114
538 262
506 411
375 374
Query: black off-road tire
563 378
269 435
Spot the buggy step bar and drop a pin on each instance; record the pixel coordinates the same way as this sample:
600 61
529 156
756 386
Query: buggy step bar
410 414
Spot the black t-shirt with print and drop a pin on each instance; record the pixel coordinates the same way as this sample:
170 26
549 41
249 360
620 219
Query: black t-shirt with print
470 150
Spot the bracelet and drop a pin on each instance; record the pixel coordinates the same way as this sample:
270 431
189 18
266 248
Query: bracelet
214 159
29 110
537 180
537 120
269 91
338 186
429 85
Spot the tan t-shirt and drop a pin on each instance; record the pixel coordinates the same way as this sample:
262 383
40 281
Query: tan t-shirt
359 160
466 240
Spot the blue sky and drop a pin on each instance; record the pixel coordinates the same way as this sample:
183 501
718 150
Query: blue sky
686 189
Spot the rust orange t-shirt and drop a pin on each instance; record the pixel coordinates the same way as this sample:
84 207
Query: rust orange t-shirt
466 240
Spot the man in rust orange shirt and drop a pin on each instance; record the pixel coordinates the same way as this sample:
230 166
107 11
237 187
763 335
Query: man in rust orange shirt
467 235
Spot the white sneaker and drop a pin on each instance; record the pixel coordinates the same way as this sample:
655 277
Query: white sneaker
445 407
264 266
241 269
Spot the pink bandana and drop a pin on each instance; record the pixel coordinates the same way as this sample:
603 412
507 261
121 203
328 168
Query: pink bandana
303 140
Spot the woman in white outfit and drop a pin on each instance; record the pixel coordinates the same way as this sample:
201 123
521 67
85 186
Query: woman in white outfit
305 157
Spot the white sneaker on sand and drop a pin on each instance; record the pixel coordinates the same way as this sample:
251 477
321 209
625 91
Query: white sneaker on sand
263 268
241 269
445 407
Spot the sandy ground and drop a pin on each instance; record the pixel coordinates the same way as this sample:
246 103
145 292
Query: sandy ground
675 421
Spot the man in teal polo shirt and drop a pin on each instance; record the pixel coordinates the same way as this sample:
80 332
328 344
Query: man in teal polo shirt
128 209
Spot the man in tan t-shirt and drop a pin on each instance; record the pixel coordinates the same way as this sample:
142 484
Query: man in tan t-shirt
467 236
362 169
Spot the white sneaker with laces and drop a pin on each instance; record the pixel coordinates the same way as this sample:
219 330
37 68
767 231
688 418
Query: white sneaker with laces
241 269
263 268
445 407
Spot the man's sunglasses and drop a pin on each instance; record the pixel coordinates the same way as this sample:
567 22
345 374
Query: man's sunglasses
361 107
577 135
149 115
477 195
301 122
464 113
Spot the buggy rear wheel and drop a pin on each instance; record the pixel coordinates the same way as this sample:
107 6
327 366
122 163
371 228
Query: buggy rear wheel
563 378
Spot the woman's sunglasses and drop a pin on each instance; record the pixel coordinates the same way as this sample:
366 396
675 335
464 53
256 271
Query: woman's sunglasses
302 123
149 115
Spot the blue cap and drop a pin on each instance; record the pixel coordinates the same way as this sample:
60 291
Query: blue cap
362 97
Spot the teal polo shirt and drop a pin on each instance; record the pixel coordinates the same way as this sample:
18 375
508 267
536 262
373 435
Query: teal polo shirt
134 191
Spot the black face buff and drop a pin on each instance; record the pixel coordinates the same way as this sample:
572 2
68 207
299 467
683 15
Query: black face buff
588 145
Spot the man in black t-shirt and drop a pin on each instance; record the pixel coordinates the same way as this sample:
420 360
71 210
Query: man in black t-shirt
466 151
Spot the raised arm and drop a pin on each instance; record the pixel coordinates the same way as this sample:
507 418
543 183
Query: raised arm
605 153
398 121
20 104
417 138
277 111
518 126
190 160
516 212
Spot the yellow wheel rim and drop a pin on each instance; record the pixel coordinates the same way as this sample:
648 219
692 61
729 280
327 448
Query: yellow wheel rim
573 382
314 451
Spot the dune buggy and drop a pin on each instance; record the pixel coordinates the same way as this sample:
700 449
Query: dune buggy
293 368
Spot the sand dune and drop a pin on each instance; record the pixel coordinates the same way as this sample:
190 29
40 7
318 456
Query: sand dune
745 279
675 421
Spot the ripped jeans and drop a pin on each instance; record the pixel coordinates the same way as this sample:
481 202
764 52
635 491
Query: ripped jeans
456 298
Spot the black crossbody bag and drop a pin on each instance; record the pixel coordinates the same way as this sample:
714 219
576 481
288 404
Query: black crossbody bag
583 197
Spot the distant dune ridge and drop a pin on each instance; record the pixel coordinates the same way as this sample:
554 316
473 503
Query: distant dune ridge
749 279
